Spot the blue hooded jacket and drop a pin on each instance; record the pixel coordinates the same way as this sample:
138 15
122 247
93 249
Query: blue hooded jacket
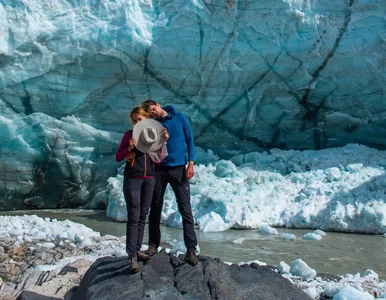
180 140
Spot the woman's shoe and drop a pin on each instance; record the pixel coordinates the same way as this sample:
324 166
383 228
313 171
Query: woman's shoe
142 256
134 266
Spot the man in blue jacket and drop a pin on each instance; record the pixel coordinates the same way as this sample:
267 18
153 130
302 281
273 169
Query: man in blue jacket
172 170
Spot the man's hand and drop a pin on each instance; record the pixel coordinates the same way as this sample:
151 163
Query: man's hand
190 170
165 134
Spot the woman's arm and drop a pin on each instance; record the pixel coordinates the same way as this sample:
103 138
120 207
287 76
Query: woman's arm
123 149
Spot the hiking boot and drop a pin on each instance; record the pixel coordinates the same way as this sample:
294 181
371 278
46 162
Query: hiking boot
142 256
134 266
191 256
151 250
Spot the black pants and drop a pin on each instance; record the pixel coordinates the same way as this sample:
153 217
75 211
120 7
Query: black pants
176 177
138 194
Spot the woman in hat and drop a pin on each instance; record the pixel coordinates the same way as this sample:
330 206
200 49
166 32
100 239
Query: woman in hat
142 146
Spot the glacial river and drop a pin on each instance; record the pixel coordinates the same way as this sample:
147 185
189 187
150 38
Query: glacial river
336 253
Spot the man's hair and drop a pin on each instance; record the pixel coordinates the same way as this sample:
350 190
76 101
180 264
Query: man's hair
139 111
147 103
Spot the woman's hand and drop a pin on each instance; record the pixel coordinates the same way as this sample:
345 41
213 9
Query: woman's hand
131 144
130 156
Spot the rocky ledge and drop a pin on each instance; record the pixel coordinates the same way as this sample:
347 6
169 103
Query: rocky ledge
168 277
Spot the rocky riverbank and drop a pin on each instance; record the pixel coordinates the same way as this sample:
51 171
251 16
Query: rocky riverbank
41 271
69 270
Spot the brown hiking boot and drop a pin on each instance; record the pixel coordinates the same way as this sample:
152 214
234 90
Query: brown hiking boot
151 250
134 266
191 257
142 256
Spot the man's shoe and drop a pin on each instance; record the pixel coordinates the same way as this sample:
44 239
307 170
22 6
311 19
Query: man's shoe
142 256
134 266
191 257
151 250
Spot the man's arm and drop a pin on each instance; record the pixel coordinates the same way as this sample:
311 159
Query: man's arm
190 170
190 147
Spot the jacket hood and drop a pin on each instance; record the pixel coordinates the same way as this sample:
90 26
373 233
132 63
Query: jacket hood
170 110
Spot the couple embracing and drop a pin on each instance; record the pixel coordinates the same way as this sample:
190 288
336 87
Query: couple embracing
158 152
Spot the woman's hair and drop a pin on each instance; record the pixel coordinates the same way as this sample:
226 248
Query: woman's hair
138 111
146 104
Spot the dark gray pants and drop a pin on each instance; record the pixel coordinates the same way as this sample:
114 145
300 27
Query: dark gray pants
138 194
176 177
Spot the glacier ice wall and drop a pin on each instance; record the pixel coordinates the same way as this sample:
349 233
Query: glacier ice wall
250 75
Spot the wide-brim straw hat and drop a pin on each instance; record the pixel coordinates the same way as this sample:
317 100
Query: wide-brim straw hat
148 135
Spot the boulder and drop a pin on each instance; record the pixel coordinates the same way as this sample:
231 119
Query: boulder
169 277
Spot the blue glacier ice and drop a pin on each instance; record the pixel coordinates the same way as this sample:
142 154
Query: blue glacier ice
337 189
249 75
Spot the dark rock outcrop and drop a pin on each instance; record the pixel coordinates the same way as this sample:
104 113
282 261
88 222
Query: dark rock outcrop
169 277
